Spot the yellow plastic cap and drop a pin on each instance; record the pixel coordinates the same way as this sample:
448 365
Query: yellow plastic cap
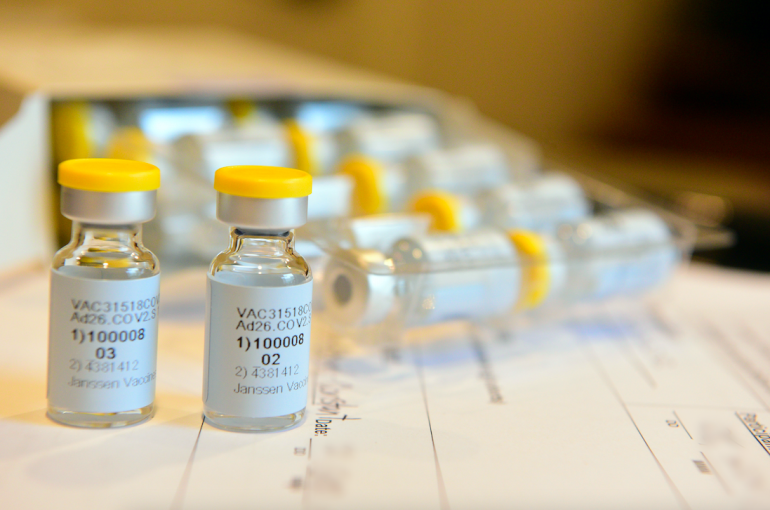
443 208
71 130
130 143
263 181
242 110
535 270
303 145
108 175
369 196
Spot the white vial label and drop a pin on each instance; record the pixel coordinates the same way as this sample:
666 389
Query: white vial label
257 357
475 275
103 342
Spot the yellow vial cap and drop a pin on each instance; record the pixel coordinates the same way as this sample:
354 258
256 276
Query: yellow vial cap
535 269
108 175
70 127
302 143
130 143
242 110
263 181
369 197
442 207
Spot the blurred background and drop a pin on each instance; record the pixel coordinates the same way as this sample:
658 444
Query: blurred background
671 97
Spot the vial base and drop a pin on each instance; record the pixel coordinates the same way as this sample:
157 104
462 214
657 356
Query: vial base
101 420
243 424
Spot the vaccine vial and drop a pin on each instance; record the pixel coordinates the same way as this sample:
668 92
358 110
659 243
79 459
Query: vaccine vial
104 297
383 185
540 204
315 152
466 168
473 275
378 187
310 129
258 308
380 231
365 240
424 279
358 290
274 142
437 277
390 137
200 155
619 253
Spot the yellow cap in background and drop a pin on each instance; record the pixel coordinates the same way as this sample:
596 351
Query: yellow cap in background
70 130
108 175
242 110
263 181
535 272
129 143
369 195
302 144
442 207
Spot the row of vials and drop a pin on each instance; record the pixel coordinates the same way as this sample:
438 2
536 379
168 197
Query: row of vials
365 161
371 161
105 300
393 270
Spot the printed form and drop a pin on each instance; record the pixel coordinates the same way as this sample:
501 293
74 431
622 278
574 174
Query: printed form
655 405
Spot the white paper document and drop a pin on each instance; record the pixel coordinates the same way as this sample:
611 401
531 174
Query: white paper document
658 404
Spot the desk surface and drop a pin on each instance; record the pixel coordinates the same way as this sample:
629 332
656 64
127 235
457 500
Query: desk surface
655 406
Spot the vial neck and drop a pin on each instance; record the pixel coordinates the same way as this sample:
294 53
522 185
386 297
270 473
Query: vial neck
266 243
89 233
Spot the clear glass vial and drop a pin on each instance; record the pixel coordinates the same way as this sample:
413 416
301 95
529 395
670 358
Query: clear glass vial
258 308
540 204
104 297
433 278
391 136
466 168
436 277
